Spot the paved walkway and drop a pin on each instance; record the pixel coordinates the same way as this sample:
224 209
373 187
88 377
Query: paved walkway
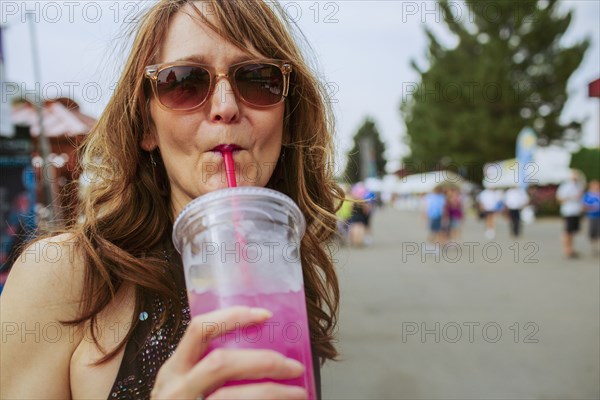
487 320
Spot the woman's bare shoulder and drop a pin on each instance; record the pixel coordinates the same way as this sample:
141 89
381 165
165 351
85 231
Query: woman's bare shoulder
43 290
48 273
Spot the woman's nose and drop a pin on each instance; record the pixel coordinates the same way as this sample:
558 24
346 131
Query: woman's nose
224 104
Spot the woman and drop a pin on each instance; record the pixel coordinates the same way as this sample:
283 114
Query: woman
359 217
116 295
454 213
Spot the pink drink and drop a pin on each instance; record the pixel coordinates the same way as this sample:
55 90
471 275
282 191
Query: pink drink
286 331
241 247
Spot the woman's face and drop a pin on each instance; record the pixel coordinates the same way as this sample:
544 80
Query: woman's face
187 139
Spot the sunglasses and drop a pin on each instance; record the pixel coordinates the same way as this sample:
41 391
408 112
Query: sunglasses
183 86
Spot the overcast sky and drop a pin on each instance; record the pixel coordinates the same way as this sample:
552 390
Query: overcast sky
364 49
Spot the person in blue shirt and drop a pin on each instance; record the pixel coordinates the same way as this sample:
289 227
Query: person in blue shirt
591 202
434 209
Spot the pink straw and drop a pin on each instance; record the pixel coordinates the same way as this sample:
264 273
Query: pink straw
231 182
229 168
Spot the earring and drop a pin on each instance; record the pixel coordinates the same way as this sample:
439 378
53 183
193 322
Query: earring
152 160
157 176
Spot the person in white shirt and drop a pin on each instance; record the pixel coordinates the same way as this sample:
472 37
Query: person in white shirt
515 199
570 194
490 202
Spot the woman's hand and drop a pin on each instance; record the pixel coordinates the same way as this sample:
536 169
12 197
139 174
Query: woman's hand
184 377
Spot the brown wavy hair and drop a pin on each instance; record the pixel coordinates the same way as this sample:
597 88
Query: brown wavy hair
126 210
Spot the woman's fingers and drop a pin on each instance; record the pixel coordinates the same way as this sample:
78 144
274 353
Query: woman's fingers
205 327
183 375
222 365
263 391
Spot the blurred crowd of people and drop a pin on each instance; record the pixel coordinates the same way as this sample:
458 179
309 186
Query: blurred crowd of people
354 216
445 207
574 203
514 202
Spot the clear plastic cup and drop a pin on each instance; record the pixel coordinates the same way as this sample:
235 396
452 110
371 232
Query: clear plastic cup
241 246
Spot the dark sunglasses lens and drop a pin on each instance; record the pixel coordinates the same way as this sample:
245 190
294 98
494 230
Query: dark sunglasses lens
183 87
260 84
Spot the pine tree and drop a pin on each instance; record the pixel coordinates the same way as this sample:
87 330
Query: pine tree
507 71
588 161
360 164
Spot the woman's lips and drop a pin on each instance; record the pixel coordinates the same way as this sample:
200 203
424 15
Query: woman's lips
226 148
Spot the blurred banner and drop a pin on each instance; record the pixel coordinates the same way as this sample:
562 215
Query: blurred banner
594 88
17 196
6 128
526 144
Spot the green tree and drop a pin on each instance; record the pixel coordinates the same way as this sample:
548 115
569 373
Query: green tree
588 161
507 71
366 158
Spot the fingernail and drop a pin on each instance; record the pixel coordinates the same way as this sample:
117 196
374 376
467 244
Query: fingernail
294 365
261 313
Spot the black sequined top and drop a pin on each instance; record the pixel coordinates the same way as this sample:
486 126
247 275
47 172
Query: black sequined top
148 347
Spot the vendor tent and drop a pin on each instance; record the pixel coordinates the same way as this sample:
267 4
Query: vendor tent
426 182
550 166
